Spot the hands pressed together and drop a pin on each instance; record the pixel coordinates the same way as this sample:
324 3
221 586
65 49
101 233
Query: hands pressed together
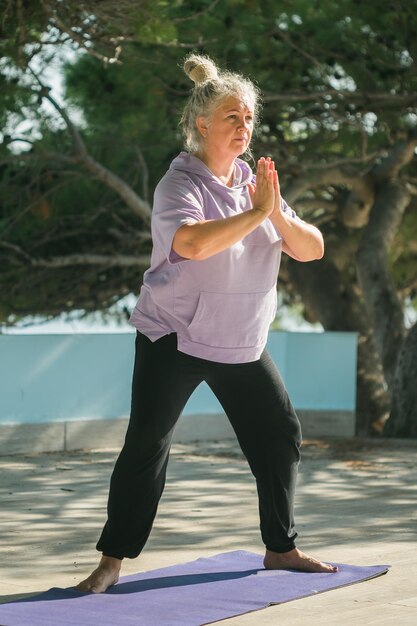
265 195
301 241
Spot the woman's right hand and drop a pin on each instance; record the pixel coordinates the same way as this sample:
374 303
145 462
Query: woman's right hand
262 194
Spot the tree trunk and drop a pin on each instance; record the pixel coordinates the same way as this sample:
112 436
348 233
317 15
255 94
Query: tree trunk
337 306
379 291
403 417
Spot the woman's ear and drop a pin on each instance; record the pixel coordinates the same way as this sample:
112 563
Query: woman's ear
202 126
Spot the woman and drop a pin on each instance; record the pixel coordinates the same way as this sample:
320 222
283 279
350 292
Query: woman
203 314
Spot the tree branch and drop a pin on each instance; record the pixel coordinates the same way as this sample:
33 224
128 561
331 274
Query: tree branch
16 249
78 143
22 30
139 206
44 154
362 160
311 204
197 14
138 237
397 100
93 259
76 38
170 44
145 173
412 189
8 140
118 260
287 39
328 176
401 154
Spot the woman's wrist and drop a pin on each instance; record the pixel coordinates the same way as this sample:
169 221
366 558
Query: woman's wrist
261 210
277 217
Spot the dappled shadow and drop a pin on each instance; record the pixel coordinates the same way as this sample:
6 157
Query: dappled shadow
53 505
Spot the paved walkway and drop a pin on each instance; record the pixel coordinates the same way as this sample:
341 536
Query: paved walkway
356 503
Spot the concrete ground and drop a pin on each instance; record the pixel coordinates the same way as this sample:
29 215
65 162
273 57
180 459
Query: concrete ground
356 503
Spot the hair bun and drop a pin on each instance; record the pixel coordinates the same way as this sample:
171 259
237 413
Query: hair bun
200 68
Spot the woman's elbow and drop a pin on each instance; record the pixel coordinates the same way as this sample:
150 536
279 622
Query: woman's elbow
315 253
188 244
195 253
320 250
189 250
317 249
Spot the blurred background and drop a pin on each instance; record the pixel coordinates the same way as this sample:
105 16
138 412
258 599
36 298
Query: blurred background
91 94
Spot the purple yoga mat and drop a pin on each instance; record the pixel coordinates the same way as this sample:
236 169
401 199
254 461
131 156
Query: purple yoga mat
196 593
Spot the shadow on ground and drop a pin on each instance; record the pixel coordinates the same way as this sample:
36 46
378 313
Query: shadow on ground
53 505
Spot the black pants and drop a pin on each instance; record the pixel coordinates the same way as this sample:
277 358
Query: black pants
257 405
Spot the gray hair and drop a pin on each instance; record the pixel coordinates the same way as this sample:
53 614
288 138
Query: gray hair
211 87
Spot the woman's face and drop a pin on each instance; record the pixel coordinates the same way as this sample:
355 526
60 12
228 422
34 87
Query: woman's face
229 131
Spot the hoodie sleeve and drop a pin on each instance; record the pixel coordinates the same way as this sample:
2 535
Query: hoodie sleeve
177 201
287 209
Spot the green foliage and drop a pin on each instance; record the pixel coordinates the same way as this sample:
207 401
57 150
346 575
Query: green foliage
125 108
156 31
325 51
21 24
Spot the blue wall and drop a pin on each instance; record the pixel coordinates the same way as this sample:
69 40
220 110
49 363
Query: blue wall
45 378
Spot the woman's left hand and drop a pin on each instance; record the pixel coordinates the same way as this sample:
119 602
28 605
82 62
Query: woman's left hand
269 166
302 241
276 213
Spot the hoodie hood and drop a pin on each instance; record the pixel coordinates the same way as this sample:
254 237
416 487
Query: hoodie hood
186 162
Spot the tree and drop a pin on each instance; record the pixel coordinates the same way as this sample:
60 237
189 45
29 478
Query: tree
339 119
59 191
363 177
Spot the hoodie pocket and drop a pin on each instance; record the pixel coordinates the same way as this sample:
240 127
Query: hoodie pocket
233 320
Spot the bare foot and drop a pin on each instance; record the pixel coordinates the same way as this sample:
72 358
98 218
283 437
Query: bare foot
106 574
295 559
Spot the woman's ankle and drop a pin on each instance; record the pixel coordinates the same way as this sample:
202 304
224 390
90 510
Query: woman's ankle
110 562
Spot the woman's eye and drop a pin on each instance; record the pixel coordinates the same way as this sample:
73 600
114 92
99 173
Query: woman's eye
234 116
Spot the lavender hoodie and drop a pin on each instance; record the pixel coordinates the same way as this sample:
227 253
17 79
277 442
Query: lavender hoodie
221 308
